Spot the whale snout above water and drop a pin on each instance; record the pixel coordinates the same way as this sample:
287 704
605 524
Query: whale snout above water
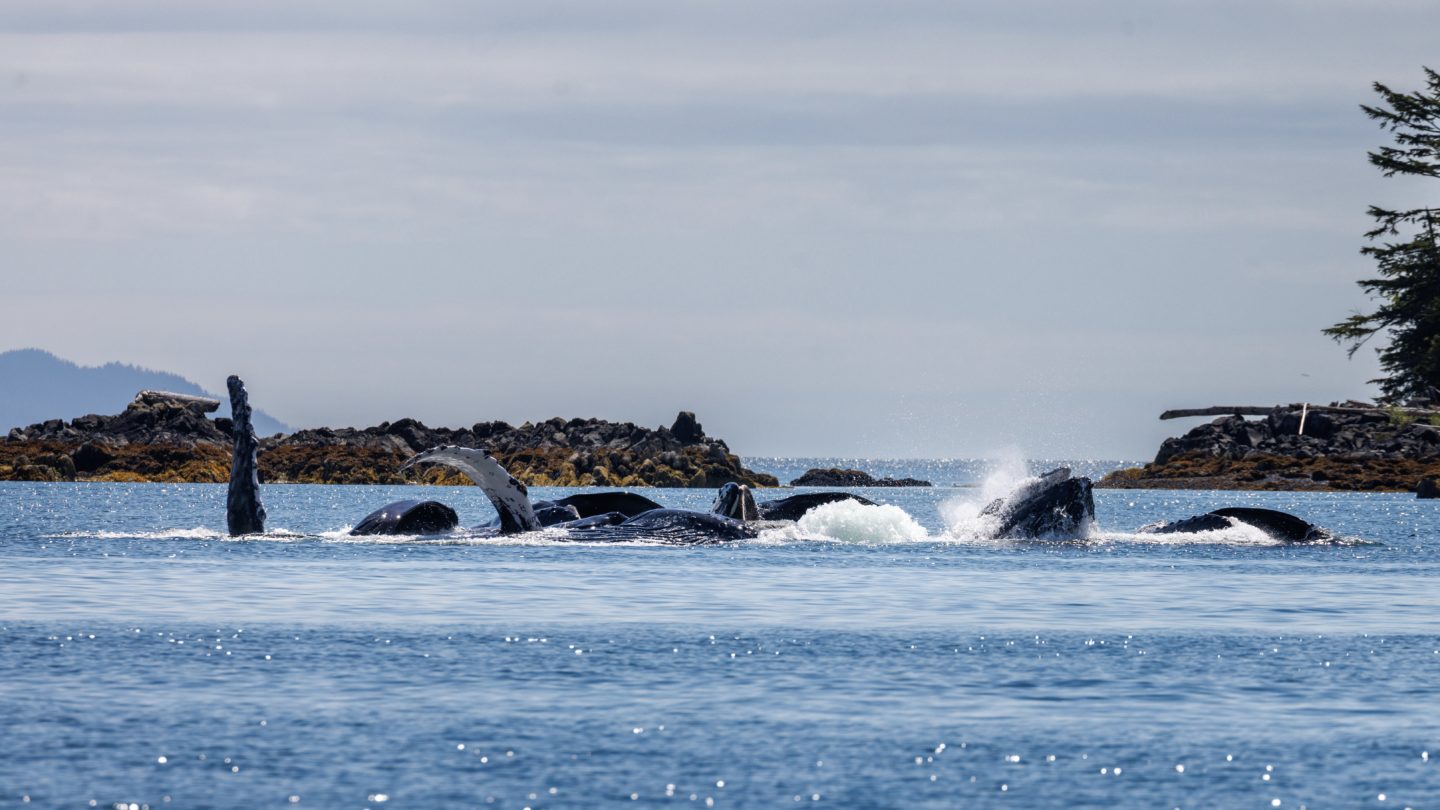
735 501
1054 506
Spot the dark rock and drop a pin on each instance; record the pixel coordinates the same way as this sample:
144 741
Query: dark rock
1428 488
170 441
90 457
686 429
1362 449
61 464
1319 425
835 477
35 472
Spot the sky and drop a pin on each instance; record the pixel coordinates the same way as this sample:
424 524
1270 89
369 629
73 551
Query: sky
885 229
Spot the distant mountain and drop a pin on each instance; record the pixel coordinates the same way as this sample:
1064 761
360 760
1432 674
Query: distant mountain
36 386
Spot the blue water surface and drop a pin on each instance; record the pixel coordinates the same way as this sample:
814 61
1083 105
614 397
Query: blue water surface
147 659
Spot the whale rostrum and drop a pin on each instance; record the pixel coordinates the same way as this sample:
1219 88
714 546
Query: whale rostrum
1054 506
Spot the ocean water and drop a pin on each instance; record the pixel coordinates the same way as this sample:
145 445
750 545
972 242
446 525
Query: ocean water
861 658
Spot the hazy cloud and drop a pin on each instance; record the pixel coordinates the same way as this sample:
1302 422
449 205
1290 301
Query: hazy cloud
842 227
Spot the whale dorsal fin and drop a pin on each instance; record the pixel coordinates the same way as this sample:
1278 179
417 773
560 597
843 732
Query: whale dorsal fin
509 497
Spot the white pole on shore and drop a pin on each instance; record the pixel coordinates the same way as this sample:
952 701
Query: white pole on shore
1304 409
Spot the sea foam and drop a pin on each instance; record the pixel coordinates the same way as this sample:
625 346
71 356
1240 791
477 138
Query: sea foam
851 522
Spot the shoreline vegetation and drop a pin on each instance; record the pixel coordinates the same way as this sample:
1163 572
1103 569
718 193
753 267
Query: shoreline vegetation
1350 446
169 439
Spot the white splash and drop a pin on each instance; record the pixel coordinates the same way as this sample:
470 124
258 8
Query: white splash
197 533
851 522
1237 534
961 514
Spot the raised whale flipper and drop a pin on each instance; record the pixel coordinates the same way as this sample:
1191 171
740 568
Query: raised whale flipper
590 504
1279 525
1053 506
408 517
244 513
509 497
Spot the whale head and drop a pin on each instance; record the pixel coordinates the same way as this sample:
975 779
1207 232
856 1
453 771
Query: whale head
1053 506
735 501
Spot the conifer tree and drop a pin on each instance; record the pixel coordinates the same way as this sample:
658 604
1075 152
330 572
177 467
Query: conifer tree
1406 249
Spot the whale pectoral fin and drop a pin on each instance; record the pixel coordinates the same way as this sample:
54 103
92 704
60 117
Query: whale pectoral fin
509 497
244 511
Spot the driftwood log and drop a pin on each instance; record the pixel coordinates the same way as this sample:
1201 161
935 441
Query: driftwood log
1262 410
201 404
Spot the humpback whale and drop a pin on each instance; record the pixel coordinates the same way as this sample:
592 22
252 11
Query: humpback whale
516 514
736 501
244 513
1053 507
590 504
509 497
408 517
1279 525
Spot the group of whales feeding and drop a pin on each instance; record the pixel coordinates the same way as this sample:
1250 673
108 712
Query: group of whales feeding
1054 506
585 517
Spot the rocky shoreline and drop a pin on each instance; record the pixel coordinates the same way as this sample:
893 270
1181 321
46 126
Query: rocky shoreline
171 440
1342 447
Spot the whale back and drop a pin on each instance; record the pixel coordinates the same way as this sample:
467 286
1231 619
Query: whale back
509 497
589 504
1279 525
795 506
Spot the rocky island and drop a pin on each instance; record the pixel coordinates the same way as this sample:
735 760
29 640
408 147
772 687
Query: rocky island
170 438
1342 446
832 477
